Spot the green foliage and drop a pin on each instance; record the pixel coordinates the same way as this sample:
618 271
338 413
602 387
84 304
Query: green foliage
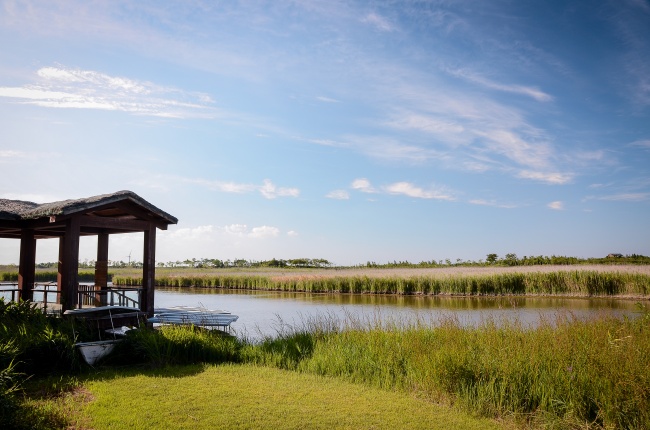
43 344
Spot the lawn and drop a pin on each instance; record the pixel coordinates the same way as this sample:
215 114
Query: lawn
251 397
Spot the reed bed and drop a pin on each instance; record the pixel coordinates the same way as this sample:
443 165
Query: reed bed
576 282
564 373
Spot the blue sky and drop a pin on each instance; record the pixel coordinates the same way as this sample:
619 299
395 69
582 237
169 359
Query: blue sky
353 131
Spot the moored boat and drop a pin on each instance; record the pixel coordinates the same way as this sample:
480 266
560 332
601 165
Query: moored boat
184 315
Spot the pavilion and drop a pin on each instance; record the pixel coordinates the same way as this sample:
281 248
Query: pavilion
68 220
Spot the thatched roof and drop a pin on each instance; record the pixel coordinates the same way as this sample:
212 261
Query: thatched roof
20 210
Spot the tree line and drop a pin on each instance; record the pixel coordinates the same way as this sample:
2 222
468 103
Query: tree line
511 259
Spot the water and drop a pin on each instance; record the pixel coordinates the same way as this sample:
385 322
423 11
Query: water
263 313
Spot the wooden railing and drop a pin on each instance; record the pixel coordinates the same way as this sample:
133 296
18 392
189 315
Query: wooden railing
47 289
92 295
89 295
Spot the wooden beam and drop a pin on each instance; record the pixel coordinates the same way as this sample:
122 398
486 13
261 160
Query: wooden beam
27 265
132 225
149 271
70 264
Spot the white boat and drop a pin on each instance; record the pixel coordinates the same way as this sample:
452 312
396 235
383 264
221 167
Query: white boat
184 315
103 318
92 352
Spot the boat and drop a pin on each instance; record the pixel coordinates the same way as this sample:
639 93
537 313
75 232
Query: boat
94 351
185 315
103 319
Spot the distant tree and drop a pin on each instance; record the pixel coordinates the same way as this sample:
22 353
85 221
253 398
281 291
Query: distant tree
511 260
492 258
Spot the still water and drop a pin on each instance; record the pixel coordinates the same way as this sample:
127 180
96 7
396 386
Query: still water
263 313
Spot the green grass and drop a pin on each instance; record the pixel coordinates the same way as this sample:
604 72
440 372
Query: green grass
563 373
250 397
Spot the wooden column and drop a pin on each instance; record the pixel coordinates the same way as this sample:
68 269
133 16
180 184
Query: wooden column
69 263
101 269
27 266
59 275
149 271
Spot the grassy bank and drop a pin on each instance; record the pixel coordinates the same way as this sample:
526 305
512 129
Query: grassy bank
563 373
576 282
253 397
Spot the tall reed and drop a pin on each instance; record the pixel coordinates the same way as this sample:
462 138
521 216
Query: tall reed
578 282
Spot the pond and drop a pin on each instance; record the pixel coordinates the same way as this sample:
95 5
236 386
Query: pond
263 313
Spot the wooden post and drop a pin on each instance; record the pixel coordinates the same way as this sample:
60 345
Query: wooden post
59 275
27 266
149 271
101 269
70 264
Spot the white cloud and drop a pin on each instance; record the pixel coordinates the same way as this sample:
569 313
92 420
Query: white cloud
292 233
264 232
338 195
411 190
554 178
60 87
626 197
556 205
363 185
645 144
326 99
379 22
210 233
387 148
483 202
475 78
270 191
8 153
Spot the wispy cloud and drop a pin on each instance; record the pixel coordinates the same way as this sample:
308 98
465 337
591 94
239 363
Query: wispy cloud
476 78
326 99
623 197
9 153
556 205
270 191
404 188
393 150
338 195
378 21
411 190
210 233
267 189
60 87
644 144
553 178
494 203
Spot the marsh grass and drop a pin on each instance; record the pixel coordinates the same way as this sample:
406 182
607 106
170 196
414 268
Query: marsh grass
172 345
565 372
577 282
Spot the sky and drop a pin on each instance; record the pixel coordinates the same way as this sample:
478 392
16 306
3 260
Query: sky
352 131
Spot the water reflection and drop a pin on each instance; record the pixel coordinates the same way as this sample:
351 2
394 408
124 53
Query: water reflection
263 313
